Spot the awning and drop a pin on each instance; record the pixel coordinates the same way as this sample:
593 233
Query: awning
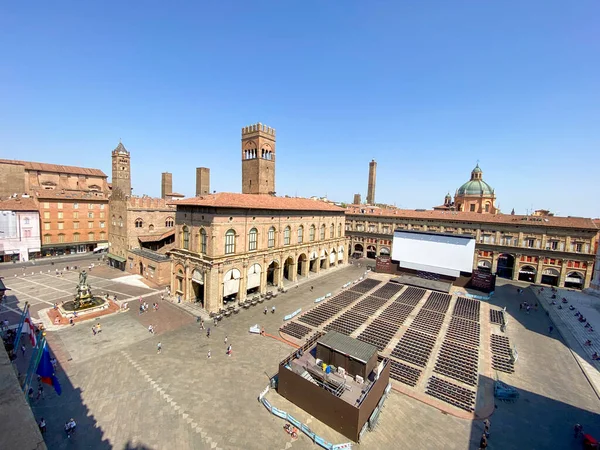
116 258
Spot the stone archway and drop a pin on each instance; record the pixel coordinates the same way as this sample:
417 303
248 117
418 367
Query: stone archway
550 276
273 273
313 264
332 257
527 273
574 280
384 251
198 286
141 267
371 252
323 259
359 250
288 269
302 265
231 285
253 278
506 266
484 265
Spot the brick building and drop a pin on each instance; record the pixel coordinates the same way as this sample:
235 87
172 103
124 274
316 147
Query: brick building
141 229
19 229
230 246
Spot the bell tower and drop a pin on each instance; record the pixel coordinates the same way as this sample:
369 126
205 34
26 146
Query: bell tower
258 159
121 170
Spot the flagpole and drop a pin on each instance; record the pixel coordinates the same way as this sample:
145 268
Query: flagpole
33 364
20 328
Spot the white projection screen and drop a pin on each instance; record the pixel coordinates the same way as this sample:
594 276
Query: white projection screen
434 252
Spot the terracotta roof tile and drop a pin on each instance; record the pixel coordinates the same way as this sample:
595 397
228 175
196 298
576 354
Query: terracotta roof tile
51 194
550 221
259 201
55 168
156 237
18 204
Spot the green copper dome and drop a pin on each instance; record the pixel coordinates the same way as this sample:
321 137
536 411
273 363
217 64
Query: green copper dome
475 187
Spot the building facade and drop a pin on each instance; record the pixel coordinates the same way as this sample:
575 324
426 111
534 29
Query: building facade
230 246
557 251
19 229
142 229
258 159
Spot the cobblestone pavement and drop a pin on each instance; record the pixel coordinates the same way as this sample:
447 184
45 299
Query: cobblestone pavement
125 395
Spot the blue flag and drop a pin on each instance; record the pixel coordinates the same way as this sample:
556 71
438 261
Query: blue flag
46 371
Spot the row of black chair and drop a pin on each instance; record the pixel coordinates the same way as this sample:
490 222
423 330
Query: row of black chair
344 298
438 301
347 323
463 331
496 316
451 393
365 285
319 315
414 347
369 305
466 308
404 374
428 321
388 290
396 313
411 296
378 333
296 330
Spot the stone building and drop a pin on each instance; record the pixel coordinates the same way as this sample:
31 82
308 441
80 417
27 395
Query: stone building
473 196
19 229
142 229
230 246
61 193
557 251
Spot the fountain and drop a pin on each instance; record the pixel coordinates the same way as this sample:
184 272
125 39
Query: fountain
84 300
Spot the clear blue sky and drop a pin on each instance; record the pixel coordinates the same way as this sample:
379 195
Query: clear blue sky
426 88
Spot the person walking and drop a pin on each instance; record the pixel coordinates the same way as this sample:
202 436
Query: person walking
23 350
42 425
98 328
40 392
486 425
578 430
273 310
550 328
208 332
94 330
225 339
150 329
158 348
202 324
229 350
483 442
265 310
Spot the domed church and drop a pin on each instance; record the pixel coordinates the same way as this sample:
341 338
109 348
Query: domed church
473 196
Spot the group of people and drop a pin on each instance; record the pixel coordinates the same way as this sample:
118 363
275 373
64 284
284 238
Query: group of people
97 329
527 307
483 442
267 310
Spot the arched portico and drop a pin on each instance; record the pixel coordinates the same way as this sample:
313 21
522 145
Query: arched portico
506 265
288 269
527 273
574 280
324 262
273 273
332 257
384 251
231 285
484 265
371 252
359 250
550 276
302 265
198 286
314 262
253 278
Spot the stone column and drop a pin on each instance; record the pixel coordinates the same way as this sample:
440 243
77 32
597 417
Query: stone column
279 279
588 275
515 276
495 256
563 273
539 270
263 277
172 278
211 289
187 282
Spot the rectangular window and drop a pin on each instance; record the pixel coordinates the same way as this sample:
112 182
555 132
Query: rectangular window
75 205
386 229
46 214
90 236
286 237
472 208
46 226
530 243
61 225
578 247
202 242
300 235
229 243
47 239
311 234
76 237
102 215
101 205
59 205
271 238
360 227
60 215
61 238
90 206
102 235
75 214
90 215
75 225
46 205
90 224
101 224
553 245
322 233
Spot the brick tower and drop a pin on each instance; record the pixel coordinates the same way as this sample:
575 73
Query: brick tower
166 184
202 181
117 204
258 159
371 186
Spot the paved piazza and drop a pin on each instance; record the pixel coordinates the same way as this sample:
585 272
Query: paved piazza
125 396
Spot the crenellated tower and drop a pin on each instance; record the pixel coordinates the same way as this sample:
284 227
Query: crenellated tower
121 170
258 159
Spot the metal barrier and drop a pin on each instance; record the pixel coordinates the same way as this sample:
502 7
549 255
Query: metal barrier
292 315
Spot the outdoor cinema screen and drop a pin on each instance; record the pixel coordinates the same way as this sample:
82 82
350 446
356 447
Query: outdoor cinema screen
443 254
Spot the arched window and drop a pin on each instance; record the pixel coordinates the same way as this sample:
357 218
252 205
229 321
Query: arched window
300 234
311 233
286 236
340 230
202 240
252 239
91 236
114 220
271 237
139 223
331 231
120 221
75 237
487 207
230 242
186 237
102 235
322 233
151 227
169 222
